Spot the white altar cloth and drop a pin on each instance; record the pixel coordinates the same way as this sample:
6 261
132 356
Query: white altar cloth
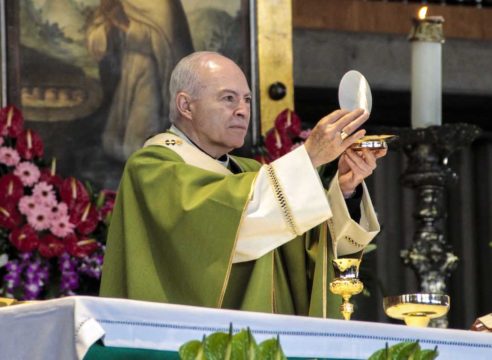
66 328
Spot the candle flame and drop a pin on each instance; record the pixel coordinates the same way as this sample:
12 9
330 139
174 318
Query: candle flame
422 12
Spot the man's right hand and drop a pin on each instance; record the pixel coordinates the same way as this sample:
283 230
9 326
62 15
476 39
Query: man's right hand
326 141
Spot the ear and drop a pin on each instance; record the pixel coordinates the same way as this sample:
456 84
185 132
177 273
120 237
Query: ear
183 104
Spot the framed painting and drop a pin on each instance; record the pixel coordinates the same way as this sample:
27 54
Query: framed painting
3 54
91 76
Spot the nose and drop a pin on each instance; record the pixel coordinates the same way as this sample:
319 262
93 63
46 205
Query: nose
243 109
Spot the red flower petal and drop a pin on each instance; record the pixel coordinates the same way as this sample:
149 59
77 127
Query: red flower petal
73 192
29 145
24 238
288 122
50 246
9 216
11 189
85 217
11 121
277 144
50 178
80 247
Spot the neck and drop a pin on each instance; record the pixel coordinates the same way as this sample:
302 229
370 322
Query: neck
193 139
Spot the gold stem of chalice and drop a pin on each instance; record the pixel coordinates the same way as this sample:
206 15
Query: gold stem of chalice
346 283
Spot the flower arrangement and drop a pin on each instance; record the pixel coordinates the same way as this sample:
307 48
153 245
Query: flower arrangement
285 136
52 229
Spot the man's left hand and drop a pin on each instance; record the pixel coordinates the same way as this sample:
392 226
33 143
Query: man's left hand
355 166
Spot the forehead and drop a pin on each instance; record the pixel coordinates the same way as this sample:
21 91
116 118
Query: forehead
223 75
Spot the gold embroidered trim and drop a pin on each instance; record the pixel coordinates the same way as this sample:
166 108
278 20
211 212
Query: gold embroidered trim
353 242
274 299
282 200
331 228
325 269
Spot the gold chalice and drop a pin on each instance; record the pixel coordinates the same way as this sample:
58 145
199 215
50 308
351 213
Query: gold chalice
346 283
416 309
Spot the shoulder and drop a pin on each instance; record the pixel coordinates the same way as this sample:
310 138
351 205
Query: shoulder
246 164
153 153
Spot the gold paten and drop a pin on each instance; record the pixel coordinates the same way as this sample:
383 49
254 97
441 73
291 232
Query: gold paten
346 283
416 309
372 142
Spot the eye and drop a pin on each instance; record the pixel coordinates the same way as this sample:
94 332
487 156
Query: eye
247 100
229 98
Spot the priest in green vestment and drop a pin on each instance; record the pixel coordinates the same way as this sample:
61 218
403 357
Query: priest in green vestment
194 225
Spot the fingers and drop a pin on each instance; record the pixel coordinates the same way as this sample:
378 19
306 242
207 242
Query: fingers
349 141
359 164
352 121
332 117
380 153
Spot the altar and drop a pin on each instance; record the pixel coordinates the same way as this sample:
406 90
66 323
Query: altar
72 327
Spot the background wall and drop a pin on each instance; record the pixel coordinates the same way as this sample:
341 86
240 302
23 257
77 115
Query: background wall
323 53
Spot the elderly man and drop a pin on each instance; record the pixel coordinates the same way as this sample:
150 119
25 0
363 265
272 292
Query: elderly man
194 225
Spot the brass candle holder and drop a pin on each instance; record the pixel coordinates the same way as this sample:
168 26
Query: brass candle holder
346 283
416 309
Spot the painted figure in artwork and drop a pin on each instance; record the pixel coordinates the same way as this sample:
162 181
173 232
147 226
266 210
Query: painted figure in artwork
150 37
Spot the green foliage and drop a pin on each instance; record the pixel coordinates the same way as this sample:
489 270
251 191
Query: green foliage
222 346
404 351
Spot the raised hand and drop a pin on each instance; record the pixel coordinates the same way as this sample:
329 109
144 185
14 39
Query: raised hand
333 134
355 166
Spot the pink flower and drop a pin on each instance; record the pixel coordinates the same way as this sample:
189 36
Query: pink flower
57 211
39 219
28 173
27 204
9 156
44 194
62 226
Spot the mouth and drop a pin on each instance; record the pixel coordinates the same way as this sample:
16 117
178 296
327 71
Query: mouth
238 127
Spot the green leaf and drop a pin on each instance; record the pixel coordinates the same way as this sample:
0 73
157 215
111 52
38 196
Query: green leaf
244 346
217 346
100 200
404 350
427 354
379 355
192 350
369 248
271 350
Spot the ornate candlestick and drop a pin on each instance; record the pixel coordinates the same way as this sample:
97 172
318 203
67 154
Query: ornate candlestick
430 256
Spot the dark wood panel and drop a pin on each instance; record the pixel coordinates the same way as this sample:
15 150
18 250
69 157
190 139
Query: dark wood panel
389 17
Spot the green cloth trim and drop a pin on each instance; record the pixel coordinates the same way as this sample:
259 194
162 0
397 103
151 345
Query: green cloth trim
101 352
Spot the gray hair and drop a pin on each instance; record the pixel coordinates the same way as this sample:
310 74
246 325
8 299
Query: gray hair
185 78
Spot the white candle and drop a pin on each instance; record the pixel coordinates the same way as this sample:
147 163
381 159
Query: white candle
427 42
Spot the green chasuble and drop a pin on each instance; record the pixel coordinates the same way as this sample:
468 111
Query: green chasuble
173 235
